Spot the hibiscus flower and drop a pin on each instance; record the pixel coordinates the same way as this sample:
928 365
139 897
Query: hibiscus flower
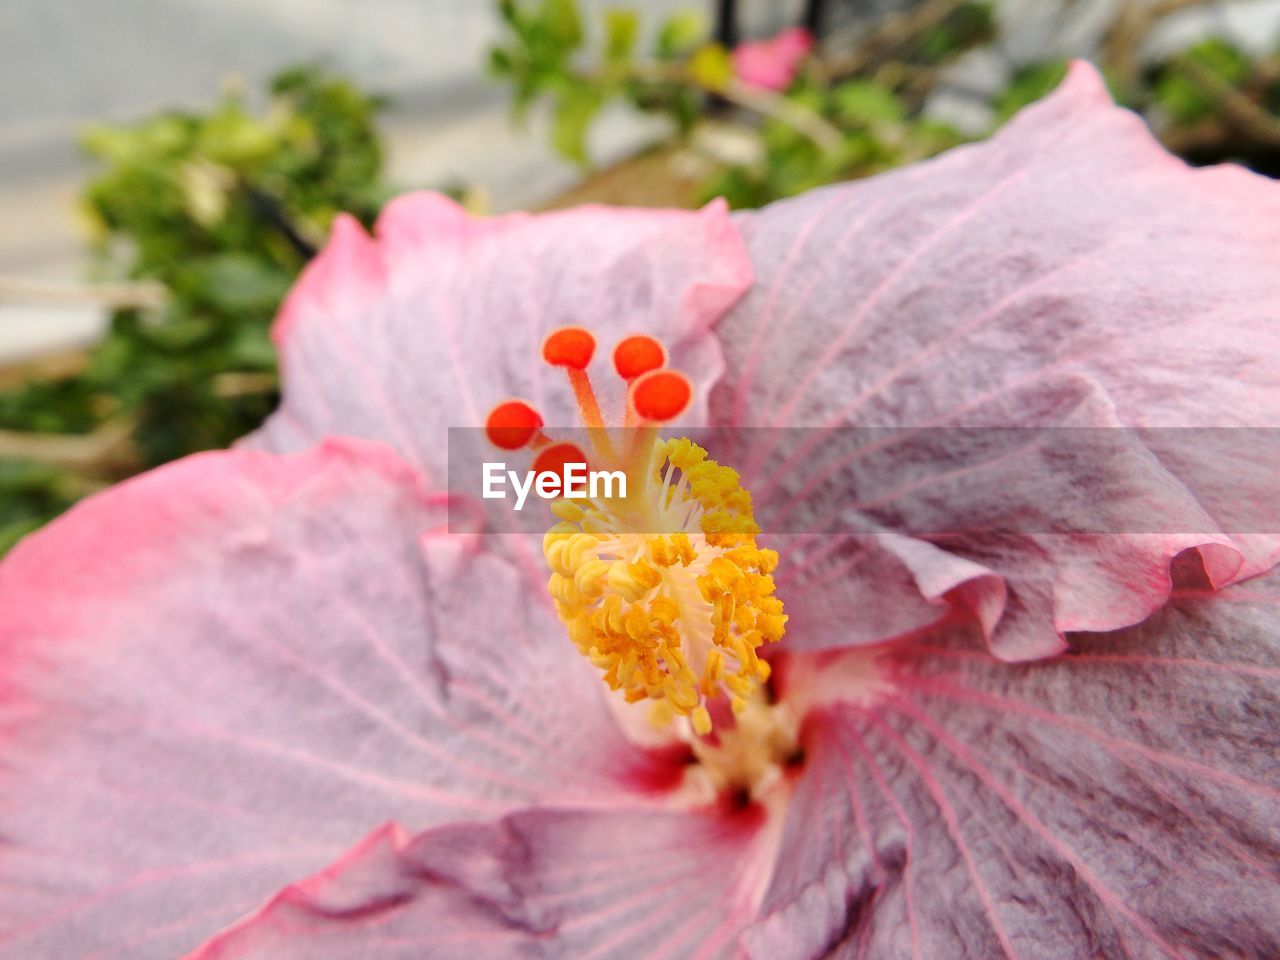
271 703
772 64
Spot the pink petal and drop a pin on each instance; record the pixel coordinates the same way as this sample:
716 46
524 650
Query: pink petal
442 316
543 883
1066 273
216 677
847 590
1123 800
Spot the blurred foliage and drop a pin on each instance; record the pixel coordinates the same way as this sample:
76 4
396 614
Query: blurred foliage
828 126
1182 97
1213 102
857 107
218 211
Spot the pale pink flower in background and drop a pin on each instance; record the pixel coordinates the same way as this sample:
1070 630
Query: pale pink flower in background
260 703
772 64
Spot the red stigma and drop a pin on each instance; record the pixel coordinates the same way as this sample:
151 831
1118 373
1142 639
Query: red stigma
661 395
637 355
511 425
571 347
555 457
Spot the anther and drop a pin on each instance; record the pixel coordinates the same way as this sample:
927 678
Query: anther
637 355
569 347
555 458
660 395
701 720
512 425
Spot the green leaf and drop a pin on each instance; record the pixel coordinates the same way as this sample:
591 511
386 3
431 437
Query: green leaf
500 62
1224 59
686 109
236 283
620 30
1183 96
864 102
563 23
230 136
251 349
576 109
965 27
679 34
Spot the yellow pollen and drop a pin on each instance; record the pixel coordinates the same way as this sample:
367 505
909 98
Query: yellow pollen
665 591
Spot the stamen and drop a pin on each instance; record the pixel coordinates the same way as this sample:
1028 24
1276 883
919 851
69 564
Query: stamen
637 355
701 720
513 425
654 397
586 397
572 348
555 457
663 587
670 597
661 395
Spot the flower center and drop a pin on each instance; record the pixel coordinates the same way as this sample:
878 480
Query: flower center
666 591
663 587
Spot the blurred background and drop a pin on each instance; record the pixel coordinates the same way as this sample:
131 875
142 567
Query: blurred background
168 166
